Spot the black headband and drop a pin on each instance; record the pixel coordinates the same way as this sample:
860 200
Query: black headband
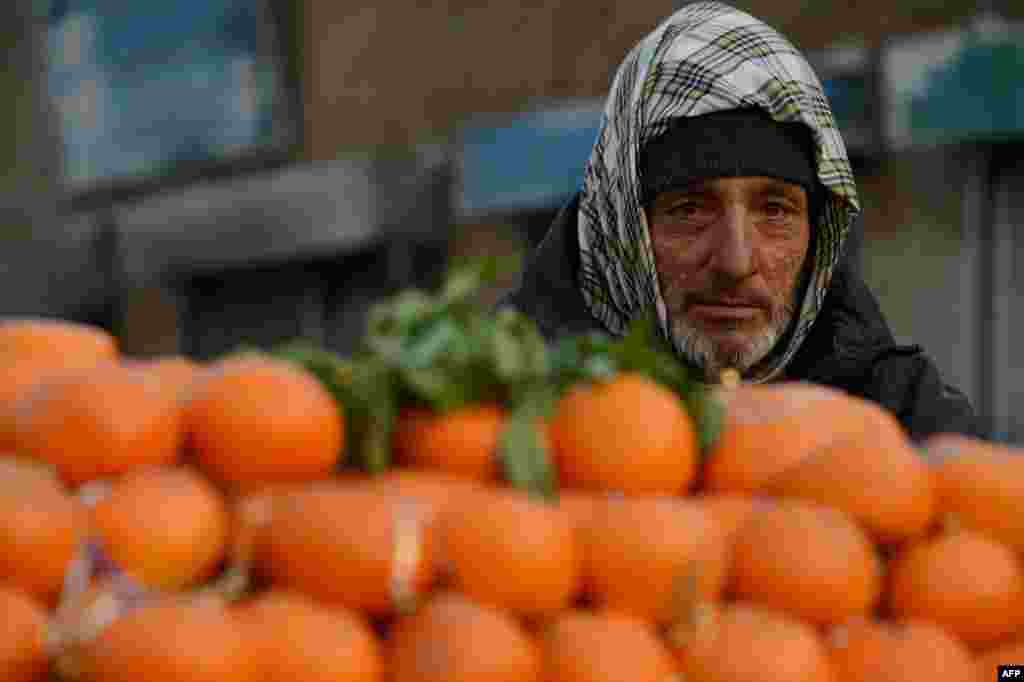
741 142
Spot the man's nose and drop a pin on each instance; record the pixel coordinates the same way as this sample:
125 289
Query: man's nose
734 256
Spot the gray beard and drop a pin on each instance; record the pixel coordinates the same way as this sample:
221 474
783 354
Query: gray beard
702 352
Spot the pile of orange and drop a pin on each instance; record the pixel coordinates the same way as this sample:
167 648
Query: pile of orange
812 542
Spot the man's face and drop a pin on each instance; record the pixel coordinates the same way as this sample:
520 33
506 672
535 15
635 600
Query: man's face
729 253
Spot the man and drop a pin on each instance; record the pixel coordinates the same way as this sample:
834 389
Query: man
719 194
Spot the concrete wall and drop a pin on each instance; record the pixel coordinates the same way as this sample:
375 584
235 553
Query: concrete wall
388 73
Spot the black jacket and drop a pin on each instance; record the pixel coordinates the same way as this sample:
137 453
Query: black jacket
850 346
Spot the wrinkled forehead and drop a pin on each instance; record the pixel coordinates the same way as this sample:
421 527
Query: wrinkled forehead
740 187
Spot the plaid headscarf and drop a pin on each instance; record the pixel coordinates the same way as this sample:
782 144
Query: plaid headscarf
707 57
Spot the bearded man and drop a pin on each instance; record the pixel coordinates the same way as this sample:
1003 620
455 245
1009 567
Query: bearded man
719 195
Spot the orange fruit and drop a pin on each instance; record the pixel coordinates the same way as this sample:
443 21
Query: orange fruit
885 485
250 515
22 637
99 423
770 427
463 442
434 488
982 484
510 551
361 549
21 379
628 434
434 491
966 582
580 646
730 510
987 662
580 505
743 642
866 650
167 642
291 637
251 511
55 342
452 638
176 372
16 472
253 420
810 560
166 526
653 557
41 525
33 350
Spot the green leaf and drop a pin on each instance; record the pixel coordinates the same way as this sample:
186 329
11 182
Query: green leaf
370 393
384 332
526 460
517 348
641 337
708 414
598 367
412 305
426 349
535 349
586 357
565 356
376 443
642 349
466 277
438 387
507 355
461 285
488 267
329 367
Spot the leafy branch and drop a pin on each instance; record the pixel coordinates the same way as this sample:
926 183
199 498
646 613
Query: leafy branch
444 351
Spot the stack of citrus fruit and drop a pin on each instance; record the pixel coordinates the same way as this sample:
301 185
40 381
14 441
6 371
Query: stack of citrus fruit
177 521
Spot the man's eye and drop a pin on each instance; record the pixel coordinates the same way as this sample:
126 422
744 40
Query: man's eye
776 210
685 209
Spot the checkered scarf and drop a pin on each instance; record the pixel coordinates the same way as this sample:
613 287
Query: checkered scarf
706 57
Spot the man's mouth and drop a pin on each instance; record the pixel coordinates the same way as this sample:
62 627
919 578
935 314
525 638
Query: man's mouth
726 311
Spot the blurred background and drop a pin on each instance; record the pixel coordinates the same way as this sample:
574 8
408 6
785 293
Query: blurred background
196 174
